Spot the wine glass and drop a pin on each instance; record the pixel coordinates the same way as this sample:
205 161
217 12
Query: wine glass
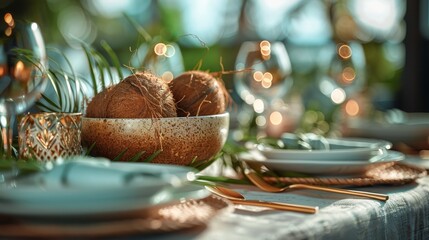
23 68
336 93
263 76
344 73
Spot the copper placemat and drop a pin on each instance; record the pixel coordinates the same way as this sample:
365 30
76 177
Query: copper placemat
393 174
168 218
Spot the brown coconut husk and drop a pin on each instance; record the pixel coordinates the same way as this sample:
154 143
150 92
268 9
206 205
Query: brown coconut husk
141 95
97 107
198 93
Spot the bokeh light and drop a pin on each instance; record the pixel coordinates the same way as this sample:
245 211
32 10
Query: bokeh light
76 27
379 18
160 49
258 106
9 19
265 47
344 51
338 96
310 116
2 70
167 76
352 107
261 121
258 76
114 8
267 80
170 51
8 31
203 20
348 75
276 118
250 99
309 26
267 18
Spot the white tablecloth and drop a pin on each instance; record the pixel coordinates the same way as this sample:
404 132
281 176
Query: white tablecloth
404 216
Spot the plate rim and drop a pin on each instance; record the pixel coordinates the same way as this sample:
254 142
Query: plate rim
39 191
380 144
123 226
111 207
33 193
322 164
400 156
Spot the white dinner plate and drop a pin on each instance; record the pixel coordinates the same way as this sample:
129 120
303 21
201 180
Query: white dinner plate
101 207
76 188
412 129
343 167
352 149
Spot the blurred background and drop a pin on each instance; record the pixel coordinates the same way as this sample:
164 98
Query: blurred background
382 46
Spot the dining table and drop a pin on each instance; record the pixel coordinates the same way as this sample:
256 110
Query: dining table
405 215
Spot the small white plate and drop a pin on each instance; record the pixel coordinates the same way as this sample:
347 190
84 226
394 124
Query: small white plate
338 167
352 149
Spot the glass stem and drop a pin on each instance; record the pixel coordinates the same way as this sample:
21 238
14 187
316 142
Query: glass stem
7 134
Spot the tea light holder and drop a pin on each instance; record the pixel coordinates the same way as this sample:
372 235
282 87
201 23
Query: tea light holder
48 136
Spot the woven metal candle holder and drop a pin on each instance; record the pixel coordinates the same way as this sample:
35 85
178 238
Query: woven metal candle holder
47 136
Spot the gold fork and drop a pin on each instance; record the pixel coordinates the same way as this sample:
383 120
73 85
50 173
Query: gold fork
264 186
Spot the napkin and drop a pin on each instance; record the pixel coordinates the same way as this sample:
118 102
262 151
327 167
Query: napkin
86 172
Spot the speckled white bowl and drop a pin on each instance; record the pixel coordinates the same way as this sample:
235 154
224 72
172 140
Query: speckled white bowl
181 139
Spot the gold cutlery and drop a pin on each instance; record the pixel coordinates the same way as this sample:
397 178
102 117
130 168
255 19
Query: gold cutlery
238 198
260 183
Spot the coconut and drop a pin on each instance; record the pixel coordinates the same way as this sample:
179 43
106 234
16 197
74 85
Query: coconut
141 95
198 93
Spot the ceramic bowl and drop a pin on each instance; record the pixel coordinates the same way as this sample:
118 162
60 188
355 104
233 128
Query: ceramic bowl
182 140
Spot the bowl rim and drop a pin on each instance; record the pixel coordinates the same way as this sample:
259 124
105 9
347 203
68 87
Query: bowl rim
220 115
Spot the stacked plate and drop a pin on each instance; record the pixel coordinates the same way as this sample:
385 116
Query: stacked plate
398 127
324 156
89 187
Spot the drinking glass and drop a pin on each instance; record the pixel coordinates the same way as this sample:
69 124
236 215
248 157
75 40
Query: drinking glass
263 75
23 72
343 75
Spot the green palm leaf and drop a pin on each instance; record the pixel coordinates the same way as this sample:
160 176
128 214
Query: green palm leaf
153 156
136 157
120 155
113 57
